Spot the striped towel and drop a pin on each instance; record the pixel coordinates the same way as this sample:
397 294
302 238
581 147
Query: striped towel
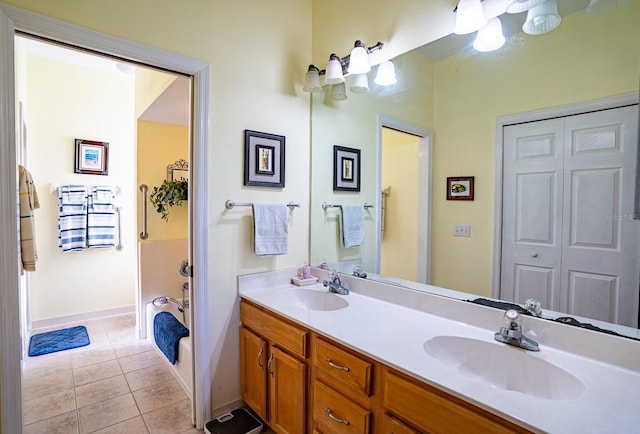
101 231
72 217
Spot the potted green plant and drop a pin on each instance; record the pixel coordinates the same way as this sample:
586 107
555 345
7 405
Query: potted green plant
168 194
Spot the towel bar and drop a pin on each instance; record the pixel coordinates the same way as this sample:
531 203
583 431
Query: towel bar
230 204
326 206
119 246
144 234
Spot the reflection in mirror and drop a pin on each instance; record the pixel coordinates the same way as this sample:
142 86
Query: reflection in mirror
461 97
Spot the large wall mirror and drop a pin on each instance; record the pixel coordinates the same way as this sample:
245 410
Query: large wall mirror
452 99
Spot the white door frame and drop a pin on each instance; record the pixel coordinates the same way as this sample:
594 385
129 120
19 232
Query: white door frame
425 164
537 115
14 20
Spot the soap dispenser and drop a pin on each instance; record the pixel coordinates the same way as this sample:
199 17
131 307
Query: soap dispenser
306 270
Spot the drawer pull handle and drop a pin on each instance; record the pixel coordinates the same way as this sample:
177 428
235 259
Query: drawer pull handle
259 356
337 419
333 365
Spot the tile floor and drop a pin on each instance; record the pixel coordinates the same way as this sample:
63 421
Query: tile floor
117 384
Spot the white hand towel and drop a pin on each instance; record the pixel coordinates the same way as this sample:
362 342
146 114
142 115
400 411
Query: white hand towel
270 229
352 225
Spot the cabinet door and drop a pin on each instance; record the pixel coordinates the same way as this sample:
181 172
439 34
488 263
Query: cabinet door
287 387
253 374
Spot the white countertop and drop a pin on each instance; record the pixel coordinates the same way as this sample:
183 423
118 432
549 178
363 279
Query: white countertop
394 334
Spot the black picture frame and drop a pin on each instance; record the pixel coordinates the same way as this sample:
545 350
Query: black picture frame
346 168
460 188
264 162
91 157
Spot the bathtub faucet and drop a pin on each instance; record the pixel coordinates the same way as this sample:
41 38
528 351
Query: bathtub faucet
161 301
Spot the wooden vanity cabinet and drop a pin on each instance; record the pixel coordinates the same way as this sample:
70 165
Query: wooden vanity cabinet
343 389
273 369
430 410
345 392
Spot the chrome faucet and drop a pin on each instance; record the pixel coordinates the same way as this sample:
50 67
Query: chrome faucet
335 285
511 332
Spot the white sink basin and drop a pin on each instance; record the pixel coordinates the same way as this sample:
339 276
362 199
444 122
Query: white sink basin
314 300
505 367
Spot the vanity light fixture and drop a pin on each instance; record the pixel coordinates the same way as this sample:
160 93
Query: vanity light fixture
542 18
356 63
334 74
490 37
359 59
360 83
601 7
312 80
338 92
469 17
386 75
517 6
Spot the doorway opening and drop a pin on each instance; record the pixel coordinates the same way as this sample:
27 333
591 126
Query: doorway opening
404 201
16 21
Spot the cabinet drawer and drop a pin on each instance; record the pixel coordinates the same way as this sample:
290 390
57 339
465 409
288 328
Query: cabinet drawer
284 334
394 426
337 415
432 412
343 366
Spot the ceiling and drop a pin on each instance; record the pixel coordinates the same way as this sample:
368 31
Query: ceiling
171 107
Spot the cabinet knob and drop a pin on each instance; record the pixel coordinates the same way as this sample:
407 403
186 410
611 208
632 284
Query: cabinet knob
534 254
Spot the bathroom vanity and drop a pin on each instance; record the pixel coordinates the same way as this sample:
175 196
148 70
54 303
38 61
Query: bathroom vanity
385 359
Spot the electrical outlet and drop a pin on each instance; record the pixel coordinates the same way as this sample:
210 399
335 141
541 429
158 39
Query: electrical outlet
461 231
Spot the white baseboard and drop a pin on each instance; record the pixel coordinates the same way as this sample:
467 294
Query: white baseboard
66 319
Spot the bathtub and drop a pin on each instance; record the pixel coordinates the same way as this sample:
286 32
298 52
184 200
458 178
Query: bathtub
183 369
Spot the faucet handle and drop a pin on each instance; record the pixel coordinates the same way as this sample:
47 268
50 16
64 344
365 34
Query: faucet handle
512 320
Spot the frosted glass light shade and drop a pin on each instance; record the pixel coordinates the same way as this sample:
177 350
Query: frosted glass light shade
469 17
601 7
489 37
339 92
386 75
542 18
517 6
359 59
334 71
312 80
360 84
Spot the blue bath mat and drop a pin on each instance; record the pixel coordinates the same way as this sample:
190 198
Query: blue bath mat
58 340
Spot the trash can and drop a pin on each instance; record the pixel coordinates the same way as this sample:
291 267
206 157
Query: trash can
239 421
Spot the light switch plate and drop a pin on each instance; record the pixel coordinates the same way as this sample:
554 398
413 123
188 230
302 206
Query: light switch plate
461 231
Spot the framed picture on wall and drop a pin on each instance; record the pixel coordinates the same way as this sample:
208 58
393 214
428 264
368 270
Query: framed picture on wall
346 169
92 158
460 188
263 159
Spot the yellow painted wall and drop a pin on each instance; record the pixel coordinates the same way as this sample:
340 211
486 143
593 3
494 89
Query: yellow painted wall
258 52
399 245
583 59
61 107
161 144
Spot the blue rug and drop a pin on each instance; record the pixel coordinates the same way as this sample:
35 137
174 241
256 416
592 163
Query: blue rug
58 340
